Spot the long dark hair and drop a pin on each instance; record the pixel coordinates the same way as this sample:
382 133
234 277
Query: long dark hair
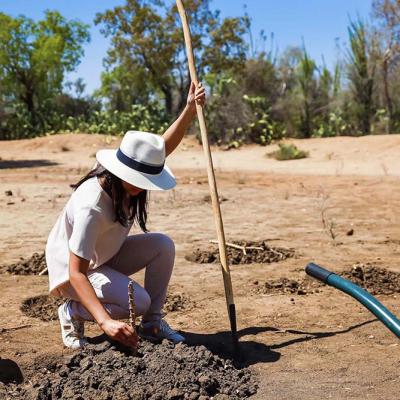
137 207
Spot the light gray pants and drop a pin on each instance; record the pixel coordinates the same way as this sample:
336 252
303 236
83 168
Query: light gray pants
153 251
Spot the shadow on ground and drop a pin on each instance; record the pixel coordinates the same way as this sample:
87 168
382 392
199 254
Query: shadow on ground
11 164
250 351
254 352
10 372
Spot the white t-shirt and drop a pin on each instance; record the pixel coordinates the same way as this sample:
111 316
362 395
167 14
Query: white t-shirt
86 227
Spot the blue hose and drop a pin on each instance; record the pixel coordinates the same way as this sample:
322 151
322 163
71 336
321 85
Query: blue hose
366 299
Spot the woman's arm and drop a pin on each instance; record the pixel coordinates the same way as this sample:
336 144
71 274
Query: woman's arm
117 330
174 134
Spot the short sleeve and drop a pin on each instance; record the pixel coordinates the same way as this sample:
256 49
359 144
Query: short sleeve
88 224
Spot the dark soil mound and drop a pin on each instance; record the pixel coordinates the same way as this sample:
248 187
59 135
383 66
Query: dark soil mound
178 302
375 280
248 253
43 307
31 266
163 372
288 286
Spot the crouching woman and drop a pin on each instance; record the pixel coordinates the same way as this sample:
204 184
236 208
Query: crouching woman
90 254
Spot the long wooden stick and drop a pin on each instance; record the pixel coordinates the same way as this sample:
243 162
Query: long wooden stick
211 180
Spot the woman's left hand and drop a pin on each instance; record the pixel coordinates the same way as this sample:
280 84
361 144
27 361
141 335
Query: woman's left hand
196 95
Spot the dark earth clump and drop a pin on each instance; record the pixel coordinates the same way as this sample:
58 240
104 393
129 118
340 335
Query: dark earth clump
30 266
45 307
177 302
288 286
373 279
250 252
163 372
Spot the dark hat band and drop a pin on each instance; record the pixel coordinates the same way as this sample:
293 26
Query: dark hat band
139 166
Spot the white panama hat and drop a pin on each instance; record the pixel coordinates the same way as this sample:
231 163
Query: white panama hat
140 161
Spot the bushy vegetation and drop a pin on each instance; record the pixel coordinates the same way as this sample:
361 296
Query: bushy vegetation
288 152
254 96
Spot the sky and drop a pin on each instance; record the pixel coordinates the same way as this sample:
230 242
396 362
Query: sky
319 24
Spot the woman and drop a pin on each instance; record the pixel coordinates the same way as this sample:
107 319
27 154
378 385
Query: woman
89 253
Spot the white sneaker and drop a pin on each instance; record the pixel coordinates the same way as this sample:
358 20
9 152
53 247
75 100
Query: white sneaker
156 333
72 331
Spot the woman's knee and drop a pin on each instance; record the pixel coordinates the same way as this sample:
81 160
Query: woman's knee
165 244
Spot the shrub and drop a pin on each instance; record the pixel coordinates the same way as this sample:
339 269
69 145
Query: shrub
288 152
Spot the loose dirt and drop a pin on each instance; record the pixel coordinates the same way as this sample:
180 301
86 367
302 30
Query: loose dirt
377 281
162 371
30 266
320 346
254 252
44 307
288 286
374 279
178 302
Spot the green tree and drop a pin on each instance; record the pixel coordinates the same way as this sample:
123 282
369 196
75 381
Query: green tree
147 56
387 14
305 73
34 57
361 74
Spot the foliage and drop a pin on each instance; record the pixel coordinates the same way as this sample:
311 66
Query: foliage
255 95
237 117
336 125
289 152
150 118
387 13
361 73
147 56
34 57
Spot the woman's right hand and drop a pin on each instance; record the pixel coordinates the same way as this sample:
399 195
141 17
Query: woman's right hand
121 332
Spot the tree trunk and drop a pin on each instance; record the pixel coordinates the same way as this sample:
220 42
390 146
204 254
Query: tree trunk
168 100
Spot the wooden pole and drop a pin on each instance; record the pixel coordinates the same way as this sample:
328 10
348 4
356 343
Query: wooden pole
211 180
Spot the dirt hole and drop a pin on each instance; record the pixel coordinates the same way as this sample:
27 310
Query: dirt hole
248 253
44 307
163 372
26 266
377 281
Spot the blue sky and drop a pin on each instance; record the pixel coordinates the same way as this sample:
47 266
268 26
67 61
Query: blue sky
320 23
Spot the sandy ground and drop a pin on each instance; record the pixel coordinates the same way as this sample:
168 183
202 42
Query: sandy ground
319 346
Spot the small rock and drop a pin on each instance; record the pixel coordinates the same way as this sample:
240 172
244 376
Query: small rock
174 394
350 232
8 193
